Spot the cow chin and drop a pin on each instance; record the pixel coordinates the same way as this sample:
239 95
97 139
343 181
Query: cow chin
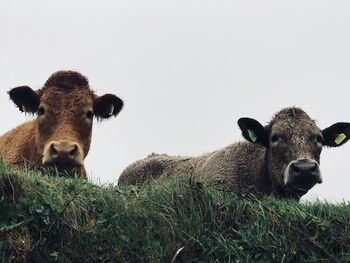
65 170
298 190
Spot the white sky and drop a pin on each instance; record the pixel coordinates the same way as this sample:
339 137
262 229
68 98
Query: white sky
187 70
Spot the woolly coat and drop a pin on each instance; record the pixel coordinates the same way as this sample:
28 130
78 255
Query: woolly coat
239 167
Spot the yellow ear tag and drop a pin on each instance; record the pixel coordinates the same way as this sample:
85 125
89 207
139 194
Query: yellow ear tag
252 135
111 110
340 138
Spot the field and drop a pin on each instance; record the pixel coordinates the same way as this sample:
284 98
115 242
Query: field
53 219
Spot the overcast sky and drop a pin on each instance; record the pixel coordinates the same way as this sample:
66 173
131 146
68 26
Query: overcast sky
187 70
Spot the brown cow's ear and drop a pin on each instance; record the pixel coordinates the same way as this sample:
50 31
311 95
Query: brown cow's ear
337 134
26 99
253 131
107 106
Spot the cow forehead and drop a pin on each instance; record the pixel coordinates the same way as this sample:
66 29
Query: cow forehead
295 128
293 121
56 97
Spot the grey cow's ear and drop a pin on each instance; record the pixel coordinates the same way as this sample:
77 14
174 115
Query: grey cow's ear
107 106
26 99
337 134
253 131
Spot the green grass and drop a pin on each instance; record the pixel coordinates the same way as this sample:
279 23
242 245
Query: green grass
53 219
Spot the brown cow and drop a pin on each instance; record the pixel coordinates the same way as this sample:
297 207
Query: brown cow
60 136
281 158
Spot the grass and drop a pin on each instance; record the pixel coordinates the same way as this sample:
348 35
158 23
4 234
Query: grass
53 219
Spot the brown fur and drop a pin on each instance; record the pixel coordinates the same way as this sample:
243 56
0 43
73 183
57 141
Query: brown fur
65 102
244 166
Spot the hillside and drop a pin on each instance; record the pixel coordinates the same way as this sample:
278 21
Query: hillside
53 219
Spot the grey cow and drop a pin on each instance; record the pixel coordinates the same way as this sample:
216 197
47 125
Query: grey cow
281 158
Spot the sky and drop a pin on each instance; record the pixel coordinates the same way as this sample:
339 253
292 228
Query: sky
187 70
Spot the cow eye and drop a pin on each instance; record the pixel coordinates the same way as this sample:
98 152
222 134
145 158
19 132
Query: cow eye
319 139
275 138
41 111
90 115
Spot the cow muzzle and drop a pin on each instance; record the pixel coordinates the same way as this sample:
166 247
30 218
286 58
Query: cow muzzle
65 155
301 175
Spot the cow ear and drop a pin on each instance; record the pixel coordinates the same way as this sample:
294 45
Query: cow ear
253 131
26 99
107 106
337 134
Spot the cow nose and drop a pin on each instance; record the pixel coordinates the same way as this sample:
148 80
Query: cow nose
64 152
304 167
61 149
303 172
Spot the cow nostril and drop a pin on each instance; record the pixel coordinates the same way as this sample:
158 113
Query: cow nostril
295 168
53 150
74 152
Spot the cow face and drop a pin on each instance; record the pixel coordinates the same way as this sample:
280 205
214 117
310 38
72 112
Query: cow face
65 108
293 144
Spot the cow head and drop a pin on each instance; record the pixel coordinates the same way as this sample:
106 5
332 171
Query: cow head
293 145
65 109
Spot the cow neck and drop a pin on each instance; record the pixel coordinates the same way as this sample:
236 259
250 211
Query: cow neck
264 182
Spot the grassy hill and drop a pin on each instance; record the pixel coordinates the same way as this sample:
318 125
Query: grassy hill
53 219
